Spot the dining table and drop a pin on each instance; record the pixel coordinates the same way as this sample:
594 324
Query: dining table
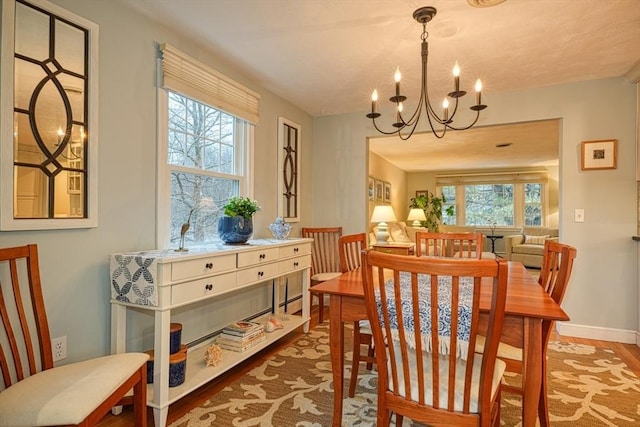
527 306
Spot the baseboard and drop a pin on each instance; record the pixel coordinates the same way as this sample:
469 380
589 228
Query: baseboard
597 333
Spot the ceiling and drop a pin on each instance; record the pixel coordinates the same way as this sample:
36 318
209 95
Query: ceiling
327 56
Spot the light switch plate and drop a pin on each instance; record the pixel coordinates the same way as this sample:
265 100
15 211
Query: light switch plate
578 215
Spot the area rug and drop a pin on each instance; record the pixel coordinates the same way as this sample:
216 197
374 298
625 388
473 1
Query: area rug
588 386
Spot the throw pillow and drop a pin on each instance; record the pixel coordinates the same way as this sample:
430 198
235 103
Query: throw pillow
535 240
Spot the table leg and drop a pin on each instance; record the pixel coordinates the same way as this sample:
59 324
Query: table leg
532 370
336 345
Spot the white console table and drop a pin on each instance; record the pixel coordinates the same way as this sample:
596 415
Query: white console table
163 280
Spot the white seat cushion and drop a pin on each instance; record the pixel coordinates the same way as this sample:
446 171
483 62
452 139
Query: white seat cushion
505 351
365 327
323 277
444 378
66 394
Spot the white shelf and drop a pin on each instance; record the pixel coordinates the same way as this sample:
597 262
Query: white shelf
198 374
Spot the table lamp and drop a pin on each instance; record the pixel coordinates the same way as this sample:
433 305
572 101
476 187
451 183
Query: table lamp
382 214
416 215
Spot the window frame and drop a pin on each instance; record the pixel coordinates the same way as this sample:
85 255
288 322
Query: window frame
163 199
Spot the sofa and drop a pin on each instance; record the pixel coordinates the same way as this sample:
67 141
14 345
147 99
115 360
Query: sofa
527 247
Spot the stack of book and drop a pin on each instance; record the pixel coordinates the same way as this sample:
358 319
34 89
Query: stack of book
241 336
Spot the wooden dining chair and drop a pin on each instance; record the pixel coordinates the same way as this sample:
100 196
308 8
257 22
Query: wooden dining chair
325 261
458 245
35 392
424 336
351 247
557 264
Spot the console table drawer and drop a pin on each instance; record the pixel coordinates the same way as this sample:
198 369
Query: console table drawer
197 289
257 274
294 264
200 267
246 259
295 250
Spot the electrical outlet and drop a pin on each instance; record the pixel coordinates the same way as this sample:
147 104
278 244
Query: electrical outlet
59 347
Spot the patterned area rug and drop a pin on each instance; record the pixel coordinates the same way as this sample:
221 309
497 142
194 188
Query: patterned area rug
588 386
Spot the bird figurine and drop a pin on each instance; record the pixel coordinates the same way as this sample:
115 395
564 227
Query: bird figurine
183 231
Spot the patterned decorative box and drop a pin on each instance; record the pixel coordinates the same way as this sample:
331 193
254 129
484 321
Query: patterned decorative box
175 336
177 368
150 362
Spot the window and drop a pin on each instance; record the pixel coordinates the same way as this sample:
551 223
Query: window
205 140
489 204
533 204
449 193
507 199
205 152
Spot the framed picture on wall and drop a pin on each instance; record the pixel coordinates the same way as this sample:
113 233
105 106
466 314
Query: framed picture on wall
422 193
379 190
387 192
599 154
371 189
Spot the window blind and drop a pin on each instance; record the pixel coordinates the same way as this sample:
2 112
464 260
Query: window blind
190 77
492 178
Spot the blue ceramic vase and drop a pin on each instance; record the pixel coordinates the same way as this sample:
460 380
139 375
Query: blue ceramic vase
235 229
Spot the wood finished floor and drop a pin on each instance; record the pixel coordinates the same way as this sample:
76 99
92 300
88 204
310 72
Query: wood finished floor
629 353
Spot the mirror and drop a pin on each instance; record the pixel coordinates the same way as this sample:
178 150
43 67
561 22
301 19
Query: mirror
51 123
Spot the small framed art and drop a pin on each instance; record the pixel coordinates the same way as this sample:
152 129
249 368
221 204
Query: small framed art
599 154
371 189
387 192
422 193
379 190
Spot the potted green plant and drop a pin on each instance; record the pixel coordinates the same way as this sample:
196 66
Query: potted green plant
432 207
236 226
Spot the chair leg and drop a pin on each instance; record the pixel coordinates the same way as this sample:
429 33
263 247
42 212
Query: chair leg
140 398
370 353
321 308
355 363
399 420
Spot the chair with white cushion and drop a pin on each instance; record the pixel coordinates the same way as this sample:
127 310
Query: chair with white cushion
456 245
424 340
325 261
351 247
35 392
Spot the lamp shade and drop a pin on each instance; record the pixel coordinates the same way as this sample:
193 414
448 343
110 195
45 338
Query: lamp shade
383 213
416 215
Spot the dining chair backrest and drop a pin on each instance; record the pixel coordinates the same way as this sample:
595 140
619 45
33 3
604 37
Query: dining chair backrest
350 247
29 377
458 245
324 250
426 368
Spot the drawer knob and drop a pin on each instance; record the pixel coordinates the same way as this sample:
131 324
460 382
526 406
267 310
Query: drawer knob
260 273
295 250
209 286
263 256
208 265
295 264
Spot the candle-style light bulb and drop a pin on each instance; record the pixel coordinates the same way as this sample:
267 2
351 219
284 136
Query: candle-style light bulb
400 107
478 92
397 76
456 70
445 106
374 99
60 131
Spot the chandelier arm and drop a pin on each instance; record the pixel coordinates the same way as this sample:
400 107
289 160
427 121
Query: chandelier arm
469 126
382 131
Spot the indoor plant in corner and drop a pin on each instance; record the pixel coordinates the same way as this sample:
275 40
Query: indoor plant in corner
236 226
432 207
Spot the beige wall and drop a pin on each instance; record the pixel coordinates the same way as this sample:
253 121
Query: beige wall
381 169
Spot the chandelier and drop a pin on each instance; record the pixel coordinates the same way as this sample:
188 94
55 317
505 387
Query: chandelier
408 125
